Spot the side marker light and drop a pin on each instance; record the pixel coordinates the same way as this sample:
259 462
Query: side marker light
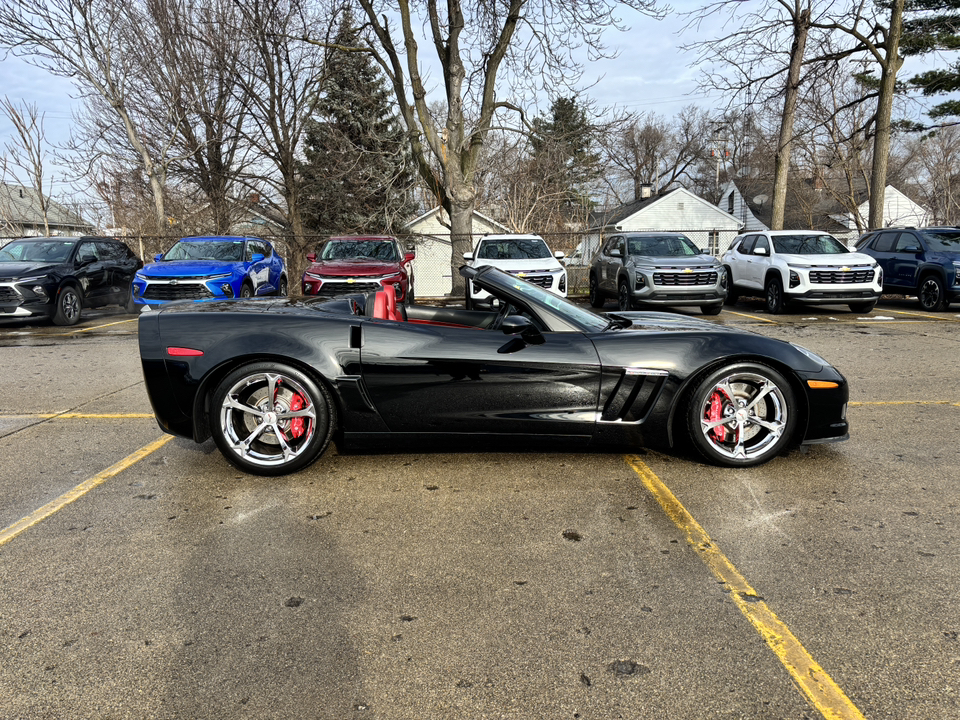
183 352
821 384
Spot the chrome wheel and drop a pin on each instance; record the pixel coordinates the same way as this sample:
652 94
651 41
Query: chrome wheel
742 415
271 419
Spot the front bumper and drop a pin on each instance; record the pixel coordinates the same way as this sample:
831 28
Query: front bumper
17 300
670 287
159 291
333 286
551 280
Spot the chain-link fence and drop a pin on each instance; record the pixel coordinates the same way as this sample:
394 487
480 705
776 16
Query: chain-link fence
433 266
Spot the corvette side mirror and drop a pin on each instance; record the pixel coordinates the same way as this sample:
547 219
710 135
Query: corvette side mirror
524 327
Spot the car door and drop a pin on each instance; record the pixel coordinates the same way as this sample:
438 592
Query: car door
612 263
92 271
739 260
757 262
883 250
436 379
258 271
908 255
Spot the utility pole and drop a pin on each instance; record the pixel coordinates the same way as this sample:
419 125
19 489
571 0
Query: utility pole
720 141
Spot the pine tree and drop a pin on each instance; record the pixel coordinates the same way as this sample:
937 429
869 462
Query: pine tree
357 174
932 26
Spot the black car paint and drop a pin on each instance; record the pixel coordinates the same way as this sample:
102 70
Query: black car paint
410 382
101 281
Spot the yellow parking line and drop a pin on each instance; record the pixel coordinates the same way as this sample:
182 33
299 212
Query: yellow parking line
906 402
74 416
80 490
821 691
917 314
97 327
753 317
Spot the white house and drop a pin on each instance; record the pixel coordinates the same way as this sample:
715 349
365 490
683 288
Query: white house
814 207
430 235
21 215
677 210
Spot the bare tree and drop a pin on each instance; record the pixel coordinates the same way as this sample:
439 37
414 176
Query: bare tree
936 157
25 154
95 43
474 43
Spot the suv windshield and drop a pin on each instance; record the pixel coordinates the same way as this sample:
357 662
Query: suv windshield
809 245
662 246
52 251
343 249
529 249
944 241
231 251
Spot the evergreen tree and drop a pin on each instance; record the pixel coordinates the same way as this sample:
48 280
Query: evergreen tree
357 174
934 26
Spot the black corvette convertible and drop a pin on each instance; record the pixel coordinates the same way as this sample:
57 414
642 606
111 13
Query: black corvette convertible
274 379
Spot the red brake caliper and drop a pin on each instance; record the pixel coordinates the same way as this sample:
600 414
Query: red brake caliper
297 423
715 414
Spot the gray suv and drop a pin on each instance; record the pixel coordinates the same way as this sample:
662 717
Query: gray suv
656 268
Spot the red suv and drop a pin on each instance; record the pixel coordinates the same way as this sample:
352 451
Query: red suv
359 264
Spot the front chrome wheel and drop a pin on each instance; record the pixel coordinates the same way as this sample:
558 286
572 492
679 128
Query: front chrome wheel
742 415
271 419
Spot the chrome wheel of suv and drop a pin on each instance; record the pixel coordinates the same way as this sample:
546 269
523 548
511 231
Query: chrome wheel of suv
931 294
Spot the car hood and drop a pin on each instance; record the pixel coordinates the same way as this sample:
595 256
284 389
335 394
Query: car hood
515 266
827 259
677 262
666 322
353 267
16 270
190 268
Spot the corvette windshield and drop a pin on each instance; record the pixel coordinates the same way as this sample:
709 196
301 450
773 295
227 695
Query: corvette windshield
944 241
530 249
809 245
662 246
373 249
571 312
231 251
53 251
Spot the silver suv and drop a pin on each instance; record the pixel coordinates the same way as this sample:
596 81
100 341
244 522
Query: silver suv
656 268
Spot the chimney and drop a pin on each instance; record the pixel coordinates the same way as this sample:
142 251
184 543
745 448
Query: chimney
646 191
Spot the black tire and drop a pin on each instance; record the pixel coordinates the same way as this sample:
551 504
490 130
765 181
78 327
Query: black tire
410 299
240 408
624 301
69 306
745 394
931 294
596 297
732 294
246 290
774 295
283 289
711 309
863 307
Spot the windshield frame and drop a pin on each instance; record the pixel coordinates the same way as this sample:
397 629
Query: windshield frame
371 243
26 244
684 241
183 243
518 243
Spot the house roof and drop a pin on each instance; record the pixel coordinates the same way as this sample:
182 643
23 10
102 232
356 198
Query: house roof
614 216
435 210
20 205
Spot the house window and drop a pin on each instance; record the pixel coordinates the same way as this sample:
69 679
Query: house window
730 202
713 244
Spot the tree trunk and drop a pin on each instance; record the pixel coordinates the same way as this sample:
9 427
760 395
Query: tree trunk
881 141
801 29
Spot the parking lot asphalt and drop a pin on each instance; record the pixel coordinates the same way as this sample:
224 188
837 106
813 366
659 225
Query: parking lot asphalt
142 576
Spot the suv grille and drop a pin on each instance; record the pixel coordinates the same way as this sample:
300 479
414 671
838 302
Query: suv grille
9 295
166 292
544 281
331 289
840 277
679 278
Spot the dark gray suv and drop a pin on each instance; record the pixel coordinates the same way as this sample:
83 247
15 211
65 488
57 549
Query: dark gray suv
659 269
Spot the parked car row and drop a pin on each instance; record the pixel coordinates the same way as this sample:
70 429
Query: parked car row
58 277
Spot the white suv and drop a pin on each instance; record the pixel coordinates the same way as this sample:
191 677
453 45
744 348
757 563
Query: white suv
802 266
525 256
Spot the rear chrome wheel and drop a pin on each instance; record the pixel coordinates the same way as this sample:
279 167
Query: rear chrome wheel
742 415
271 419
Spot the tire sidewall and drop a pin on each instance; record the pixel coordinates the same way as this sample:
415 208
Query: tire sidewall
623 296
774 295
66 292
940 302
596 300
320 397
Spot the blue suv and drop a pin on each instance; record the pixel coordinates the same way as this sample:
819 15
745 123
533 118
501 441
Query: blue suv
211 268
918 261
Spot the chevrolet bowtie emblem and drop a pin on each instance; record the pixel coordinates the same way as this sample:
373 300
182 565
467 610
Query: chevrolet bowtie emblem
351 280
687 270
844 269
521 274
